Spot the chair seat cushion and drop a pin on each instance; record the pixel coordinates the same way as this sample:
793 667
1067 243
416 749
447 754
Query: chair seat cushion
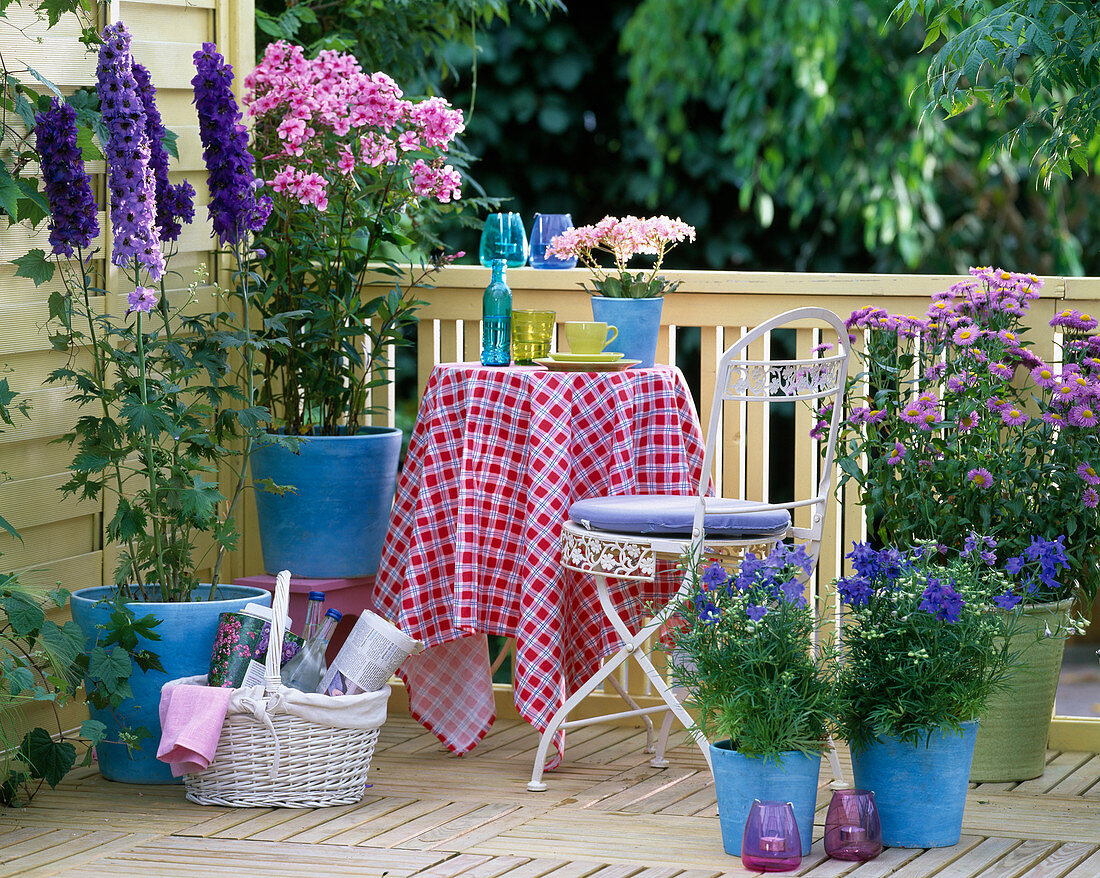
668 514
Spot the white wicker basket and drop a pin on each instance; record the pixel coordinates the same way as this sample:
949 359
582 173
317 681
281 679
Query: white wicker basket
272 758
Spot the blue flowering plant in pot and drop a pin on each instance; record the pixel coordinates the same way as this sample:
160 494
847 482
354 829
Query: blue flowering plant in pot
161 404
761 689
631 302
925 642
360 175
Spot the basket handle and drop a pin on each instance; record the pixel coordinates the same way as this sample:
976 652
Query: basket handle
274 661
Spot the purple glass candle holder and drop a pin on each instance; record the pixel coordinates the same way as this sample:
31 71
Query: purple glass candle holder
771 842
852 829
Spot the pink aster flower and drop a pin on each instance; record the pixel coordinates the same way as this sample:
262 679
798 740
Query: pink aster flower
980 477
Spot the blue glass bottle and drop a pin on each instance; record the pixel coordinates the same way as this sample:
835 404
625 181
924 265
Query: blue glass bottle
496 319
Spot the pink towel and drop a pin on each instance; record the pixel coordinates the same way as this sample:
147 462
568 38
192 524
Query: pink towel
191 719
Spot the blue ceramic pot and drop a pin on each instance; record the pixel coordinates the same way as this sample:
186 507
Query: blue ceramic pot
739 779
920 790
332 525
187 632
638 322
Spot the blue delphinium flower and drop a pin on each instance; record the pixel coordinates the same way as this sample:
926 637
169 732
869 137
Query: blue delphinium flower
794 592
855 591
235 209
68 191
175 204
940 599
714 575
1007 601
129 176
756 613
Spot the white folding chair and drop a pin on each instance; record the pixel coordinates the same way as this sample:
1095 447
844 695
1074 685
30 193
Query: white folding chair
624 537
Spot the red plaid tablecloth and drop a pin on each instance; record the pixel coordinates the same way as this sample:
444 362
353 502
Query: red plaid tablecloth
495 460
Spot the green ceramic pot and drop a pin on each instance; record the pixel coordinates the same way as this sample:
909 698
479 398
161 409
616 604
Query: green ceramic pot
1012 736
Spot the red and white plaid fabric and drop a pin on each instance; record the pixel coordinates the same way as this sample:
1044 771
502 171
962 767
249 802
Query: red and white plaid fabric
495 460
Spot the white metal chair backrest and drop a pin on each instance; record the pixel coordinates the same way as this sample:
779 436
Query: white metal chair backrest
823 378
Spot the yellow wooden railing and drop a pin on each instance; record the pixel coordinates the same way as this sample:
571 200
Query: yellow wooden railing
717 307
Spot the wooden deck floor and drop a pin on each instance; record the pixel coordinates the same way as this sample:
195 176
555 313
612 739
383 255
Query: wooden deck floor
607 814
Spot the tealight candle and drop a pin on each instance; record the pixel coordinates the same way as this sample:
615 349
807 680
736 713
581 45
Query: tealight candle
773 843
852 833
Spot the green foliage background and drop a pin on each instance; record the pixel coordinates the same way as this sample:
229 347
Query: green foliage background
794 136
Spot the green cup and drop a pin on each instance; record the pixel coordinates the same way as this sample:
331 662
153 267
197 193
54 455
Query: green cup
532 332
587 337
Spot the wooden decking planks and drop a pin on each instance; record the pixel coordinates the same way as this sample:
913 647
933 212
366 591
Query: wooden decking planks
607 814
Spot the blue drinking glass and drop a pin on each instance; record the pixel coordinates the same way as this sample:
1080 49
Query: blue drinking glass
544 230
503 237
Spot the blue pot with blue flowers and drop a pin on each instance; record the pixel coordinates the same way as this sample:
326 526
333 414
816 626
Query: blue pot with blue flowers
926 643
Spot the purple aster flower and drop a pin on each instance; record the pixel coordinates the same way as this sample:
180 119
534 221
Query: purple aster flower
1001 370
756 613
966 334
819 430
1013 416
1090 498
899 452
1083 416
1085 471
141 299
129 176
1044 376
968 422
68 191
1052 418
175 204
912 414
1073 319
235 210
980 477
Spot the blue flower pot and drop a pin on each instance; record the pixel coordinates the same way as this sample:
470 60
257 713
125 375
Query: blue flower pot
332 525
638 322
739 779
920 790
187 632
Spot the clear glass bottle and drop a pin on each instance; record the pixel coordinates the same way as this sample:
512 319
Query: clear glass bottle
305 670
313 614
496 319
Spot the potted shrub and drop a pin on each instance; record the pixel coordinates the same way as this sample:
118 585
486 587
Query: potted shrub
955 425
762 693
630 302
160 404
355 170
923 645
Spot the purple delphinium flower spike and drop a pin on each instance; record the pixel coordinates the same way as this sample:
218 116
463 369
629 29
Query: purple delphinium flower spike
68 191
234 207
129 176
175 204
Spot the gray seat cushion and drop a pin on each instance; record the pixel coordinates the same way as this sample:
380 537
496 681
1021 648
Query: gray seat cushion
668 514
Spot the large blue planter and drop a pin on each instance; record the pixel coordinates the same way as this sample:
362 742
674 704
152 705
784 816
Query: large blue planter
920 790
333 524
739 779
638 322
187 633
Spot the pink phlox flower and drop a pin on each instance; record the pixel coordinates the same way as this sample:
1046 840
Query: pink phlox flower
141 299
980 477
345 162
